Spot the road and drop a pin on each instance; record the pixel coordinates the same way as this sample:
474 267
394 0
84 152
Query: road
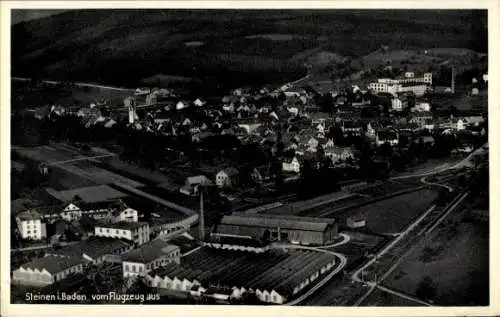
163 202
53 82
445 167
424 180
44 246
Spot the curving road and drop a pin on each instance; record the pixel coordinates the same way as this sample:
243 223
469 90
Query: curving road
342 258
424 180
342 264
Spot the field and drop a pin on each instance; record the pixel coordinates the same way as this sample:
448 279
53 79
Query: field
456 260
384 189
61 179
392 215
81 169
151 42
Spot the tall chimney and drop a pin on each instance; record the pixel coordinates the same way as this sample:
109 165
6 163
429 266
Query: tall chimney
202 217
453 80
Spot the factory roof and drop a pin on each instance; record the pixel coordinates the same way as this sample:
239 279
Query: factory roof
94 247
274 221
149 251
53 264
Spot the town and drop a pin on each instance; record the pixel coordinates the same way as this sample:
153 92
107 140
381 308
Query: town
291 194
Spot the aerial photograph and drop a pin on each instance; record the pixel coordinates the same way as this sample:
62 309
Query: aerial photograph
295 157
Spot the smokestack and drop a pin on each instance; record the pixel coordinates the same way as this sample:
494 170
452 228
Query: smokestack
452 79
202 217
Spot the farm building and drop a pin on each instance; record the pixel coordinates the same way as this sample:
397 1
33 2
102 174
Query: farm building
356 221
303 230
47 270
230 274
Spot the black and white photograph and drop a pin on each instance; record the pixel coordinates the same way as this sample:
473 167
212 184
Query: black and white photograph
325 157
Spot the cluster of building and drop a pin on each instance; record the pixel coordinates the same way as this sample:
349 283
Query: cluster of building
236 260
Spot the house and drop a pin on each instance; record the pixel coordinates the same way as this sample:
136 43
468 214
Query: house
110 123
422 107
199 102
181 105
142 91
339 154
192 184
370 131
421 118
351 128
30 225
396 104
458 124
125 215
473 120
47 270
389 136
148 257
228 107
291 165
138 232
227 177
356 221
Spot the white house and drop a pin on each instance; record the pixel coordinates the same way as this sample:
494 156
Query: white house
291 166
126 215
227 177
370 131
30 225
459 124
138 232
199 102
181 105
396 104
422 107
150 256
47 270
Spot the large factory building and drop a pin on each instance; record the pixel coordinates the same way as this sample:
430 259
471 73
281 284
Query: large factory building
300 230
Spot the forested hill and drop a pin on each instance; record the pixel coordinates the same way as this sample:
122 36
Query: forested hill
233 47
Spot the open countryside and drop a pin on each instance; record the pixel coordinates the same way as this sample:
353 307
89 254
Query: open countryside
251 157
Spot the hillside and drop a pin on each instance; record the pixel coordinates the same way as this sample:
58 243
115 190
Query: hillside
234 47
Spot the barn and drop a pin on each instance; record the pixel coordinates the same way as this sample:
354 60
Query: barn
284 228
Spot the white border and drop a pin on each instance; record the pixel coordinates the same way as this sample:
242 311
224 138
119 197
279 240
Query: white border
101 310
